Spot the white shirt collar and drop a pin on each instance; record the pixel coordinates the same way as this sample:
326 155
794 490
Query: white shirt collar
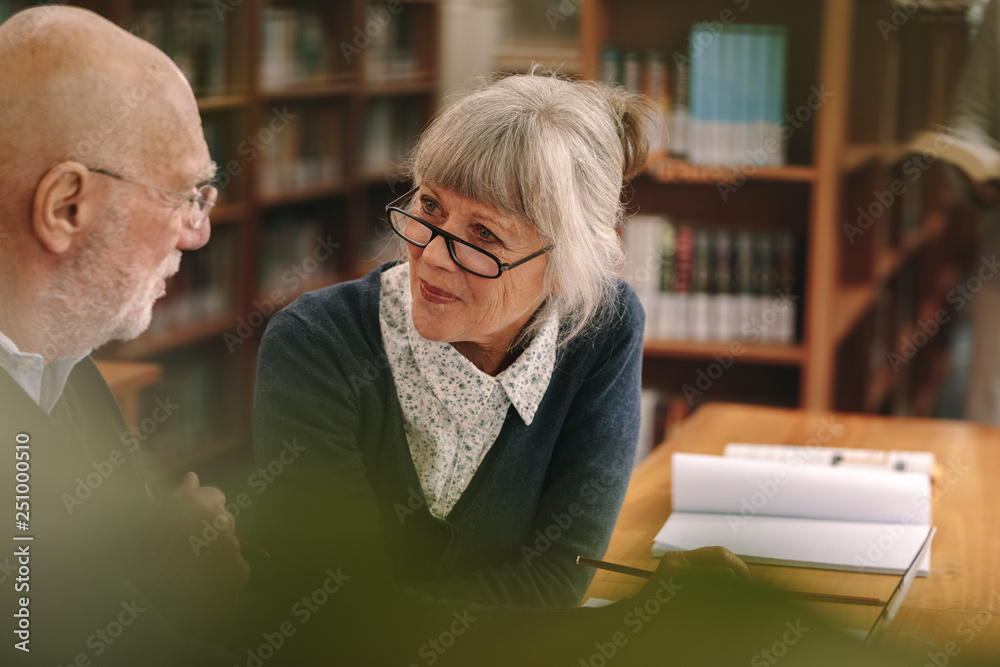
460 386
44 383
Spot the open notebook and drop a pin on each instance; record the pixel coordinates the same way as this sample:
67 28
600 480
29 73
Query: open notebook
786 513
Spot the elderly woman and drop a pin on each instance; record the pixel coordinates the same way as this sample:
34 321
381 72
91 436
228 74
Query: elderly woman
482 397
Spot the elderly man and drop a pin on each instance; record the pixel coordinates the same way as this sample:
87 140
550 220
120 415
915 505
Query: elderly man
104 177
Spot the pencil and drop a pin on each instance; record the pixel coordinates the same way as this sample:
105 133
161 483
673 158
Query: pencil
802 595
252 546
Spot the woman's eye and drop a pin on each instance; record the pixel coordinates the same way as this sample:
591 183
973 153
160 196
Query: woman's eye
429 205
484 235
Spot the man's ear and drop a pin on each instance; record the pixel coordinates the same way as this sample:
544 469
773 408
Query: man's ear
60 215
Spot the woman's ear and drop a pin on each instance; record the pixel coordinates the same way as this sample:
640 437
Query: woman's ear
60 214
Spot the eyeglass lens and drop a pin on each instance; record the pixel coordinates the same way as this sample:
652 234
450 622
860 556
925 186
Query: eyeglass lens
468 257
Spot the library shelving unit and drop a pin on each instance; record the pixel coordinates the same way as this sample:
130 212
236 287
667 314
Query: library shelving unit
308 108
890 69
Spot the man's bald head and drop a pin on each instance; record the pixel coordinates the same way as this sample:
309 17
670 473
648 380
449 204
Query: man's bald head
76 86
92 117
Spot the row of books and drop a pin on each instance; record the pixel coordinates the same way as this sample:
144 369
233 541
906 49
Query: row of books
721 100
203 289
305 148
390 130
712 285
391 53
194 37
298 251
295 47
661 78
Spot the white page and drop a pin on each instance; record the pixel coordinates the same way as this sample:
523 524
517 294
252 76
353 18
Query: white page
837 545
899 461
747 488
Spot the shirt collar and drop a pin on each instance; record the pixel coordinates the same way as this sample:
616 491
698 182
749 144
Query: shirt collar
460 386
44 383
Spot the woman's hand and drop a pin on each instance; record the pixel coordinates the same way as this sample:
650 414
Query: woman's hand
716 559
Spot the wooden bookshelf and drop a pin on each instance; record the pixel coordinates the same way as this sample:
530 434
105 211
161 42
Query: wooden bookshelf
239 88
853 146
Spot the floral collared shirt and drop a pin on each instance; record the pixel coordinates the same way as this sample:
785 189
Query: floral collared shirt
452 411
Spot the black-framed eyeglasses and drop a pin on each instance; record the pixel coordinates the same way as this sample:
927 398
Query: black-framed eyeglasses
420 233
199 206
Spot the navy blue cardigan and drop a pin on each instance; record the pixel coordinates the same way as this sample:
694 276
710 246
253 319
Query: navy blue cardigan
544 493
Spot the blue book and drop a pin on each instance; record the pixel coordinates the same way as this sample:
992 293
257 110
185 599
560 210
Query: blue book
728 99
739 139
756 105
777 37
697 104
705 93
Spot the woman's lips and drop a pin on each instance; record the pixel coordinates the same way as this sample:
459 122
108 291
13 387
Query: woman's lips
435 295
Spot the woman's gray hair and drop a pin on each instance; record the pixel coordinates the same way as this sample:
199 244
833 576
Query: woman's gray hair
555 153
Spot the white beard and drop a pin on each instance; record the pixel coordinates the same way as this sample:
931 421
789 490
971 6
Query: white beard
105 293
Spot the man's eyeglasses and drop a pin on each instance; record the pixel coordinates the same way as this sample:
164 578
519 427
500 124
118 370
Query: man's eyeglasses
199 206
473 259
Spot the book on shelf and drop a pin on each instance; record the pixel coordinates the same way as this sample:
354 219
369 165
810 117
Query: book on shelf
656 86
391 54
724 98
294 255
980 161
389 132
737 94
720 285
679 121
204 287
307 151
194 37
294 49
786 512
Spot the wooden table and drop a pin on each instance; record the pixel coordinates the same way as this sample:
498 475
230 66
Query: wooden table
956 608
